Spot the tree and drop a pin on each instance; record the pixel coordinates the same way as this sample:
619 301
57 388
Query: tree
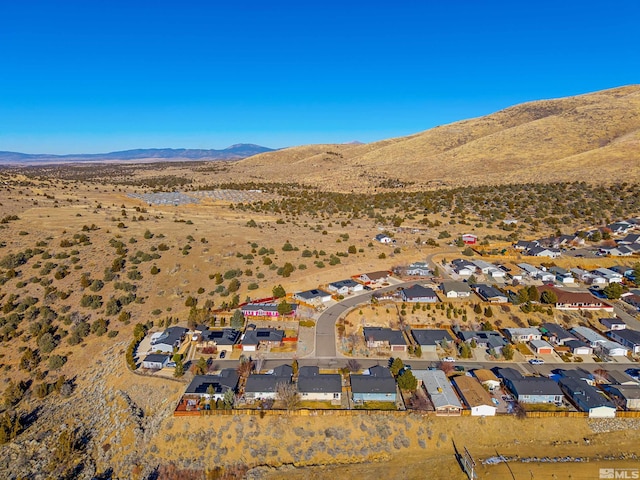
30 360
465 350
279 291
636 272
46 343
507 352
488 312
179 369
523 295
295 367
191 301
352 249
201 366
237 320
477 309
284 308
446 367
56 362
534 294
613 291
549 297
353 365
287 393
229 399
407 381
396 366
418 351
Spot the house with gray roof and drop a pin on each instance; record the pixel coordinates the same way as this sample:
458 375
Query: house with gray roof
490 340
600 343
223 339
378 337
430 339
213 386
440 391
579 347
418 269
587 398
261 338
555 333
535 390
418 294
626 396
316 386
155 361
376 385
345 287
315 295
490 293
265 385
517 335
168 340
453 289
627 338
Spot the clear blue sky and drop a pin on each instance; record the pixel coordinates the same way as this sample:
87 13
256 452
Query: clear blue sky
95 76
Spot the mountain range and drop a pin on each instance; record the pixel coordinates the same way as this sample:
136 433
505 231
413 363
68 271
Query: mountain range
593 137
234 152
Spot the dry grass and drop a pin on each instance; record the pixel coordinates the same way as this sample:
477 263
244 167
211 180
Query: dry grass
548 140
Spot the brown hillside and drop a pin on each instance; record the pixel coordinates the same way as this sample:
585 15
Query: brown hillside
548 140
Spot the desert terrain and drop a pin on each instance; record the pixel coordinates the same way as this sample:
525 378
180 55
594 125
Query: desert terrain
89 252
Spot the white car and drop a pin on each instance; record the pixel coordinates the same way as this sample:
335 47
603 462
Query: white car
536 361
448 359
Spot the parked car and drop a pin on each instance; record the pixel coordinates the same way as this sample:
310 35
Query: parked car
223 354
459 368
536 361
448 359
171 364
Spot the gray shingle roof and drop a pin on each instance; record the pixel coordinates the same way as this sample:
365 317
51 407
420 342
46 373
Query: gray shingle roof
379 334
226 380
430 337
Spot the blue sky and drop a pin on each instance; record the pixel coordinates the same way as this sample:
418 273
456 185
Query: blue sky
85 76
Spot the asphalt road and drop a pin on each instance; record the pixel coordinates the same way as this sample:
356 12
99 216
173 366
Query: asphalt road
325 342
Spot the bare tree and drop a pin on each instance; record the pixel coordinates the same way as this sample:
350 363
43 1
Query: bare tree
601 375
288 394
353 365
245 367
446 367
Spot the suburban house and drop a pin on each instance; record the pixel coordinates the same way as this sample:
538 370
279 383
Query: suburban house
555 333
508 374
530 270
382 238
517 335
540 347
375 277
562 275
266 310
155 361
579 374
430 339
532 389
490 294
587 398
261 338
621 378
620 228
619 251
626 272
469 239
630 239
213 386
627 338
441 393
168 340
223 339
544 252
418 269
626 396
345 287
613 323
487 268
609 275
526 245
313 296
578 347
376 386
576 300
418 294
463 267
265 385
474 396
633 300
316 386
489 340
599 343
456 289
487 378
378 337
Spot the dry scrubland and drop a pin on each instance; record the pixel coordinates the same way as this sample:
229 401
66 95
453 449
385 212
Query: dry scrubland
554 140
82 263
